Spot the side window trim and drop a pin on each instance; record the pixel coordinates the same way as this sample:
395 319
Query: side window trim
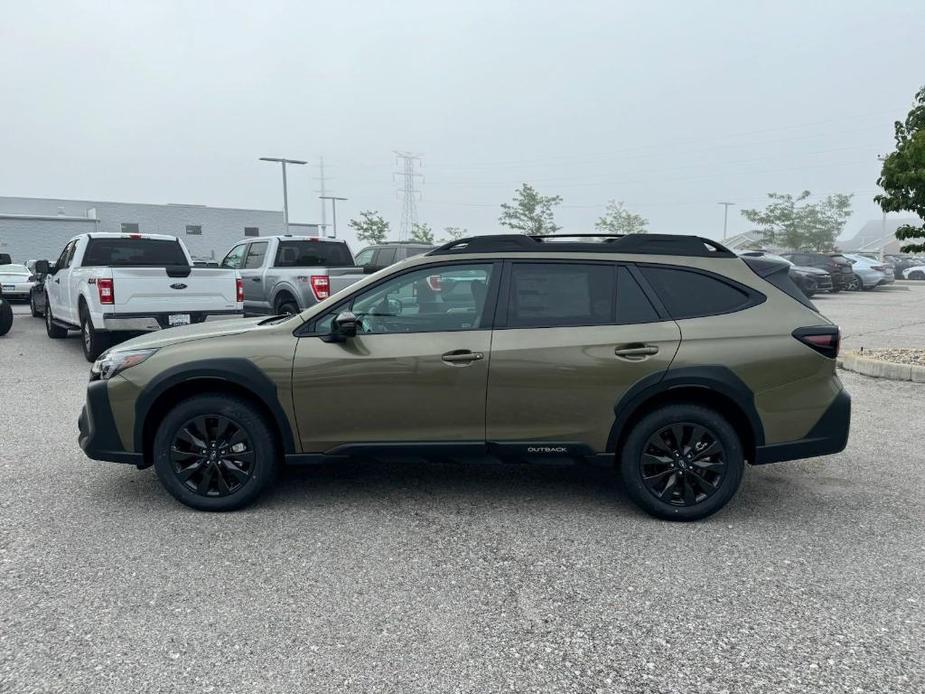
307 329
649 291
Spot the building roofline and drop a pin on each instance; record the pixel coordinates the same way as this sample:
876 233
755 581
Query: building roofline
48 217
148 204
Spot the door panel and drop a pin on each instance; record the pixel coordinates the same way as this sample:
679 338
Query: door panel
390 388
561 384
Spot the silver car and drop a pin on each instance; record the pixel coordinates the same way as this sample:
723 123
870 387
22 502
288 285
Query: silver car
16 282
871 273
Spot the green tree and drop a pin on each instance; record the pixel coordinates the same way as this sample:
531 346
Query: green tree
371 227
903 174
454 233
619 220
422 232
793 222
529 212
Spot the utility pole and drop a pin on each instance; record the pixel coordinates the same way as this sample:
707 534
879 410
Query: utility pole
324 191
408 190
333 199
283 162
726 206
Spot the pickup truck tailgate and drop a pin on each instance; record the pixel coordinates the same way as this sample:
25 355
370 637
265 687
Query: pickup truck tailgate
144 290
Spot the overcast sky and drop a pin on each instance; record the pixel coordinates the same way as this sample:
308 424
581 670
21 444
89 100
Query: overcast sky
668 106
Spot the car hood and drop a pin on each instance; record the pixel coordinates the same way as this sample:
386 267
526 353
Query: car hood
807 270
188 333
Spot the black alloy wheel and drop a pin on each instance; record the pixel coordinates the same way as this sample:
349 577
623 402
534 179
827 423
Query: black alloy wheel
212 456
683 464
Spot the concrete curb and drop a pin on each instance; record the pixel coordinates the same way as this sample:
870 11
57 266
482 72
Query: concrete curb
894 288
853 361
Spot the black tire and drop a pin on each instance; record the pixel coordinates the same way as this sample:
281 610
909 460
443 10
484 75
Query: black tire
6 317
32 307
198 420
717 483
917 275
56 332
93 341
286 305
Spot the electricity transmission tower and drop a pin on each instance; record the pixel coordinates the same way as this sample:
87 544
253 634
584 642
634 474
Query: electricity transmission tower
407 161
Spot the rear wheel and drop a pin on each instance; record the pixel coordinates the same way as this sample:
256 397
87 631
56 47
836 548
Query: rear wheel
682 462
6 316
854 284
917 275
286 306
54 331
215 453
93 341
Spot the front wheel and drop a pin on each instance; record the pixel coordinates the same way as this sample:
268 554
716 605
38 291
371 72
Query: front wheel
32 307
854 284
215 453
286 307
682 462
54 330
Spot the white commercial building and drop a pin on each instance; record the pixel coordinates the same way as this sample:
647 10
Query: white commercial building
39 227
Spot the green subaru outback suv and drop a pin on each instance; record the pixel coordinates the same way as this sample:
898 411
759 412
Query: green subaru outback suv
666 356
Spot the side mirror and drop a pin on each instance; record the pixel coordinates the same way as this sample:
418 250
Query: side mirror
42 268
369 269
344 326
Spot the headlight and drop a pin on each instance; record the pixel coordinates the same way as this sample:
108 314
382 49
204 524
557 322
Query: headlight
117 361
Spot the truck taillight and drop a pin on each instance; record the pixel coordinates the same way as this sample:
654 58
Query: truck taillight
106 289
321 286
825 339
435 282
239 290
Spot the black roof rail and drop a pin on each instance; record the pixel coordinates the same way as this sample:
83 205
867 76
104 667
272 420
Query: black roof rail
643 244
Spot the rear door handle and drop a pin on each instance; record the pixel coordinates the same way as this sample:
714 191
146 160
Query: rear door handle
636 351
58 281
462 357
255 279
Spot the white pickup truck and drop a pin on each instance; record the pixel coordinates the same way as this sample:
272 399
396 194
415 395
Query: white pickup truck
110 283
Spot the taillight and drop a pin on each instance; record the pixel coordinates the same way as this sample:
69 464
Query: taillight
239 290
321 286
825 339
435 282
878 268
106 289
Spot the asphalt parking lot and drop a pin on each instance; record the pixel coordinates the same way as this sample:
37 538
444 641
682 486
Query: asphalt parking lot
425 577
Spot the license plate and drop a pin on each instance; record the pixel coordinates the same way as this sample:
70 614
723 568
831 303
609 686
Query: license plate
8 287
176 319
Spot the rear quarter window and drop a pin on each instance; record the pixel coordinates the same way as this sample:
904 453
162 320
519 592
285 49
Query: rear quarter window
692 294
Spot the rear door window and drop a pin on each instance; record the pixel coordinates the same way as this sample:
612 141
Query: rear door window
691 294
384 257
545 295
313 254
255 255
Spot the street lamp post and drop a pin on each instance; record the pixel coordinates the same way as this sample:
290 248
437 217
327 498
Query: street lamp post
283 162
333 199
726 206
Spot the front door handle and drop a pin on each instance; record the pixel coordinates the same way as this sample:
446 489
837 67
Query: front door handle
57 281
462 357
636 351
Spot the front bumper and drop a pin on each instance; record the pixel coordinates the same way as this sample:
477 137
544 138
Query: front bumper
149 322
98 436
828 436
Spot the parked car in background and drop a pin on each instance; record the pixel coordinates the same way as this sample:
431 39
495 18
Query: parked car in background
665 357
871 273
901 263
287 274
16 281
106 284
374 258
835 264
914 272
810 280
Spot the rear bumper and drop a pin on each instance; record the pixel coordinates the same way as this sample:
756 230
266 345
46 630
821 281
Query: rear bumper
98 436
148 322
829 435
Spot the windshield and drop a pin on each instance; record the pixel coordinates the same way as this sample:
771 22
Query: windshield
128 252
313 254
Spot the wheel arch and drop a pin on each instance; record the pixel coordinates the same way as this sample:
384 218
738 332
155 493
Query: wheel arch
237 377
284 289
716 387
